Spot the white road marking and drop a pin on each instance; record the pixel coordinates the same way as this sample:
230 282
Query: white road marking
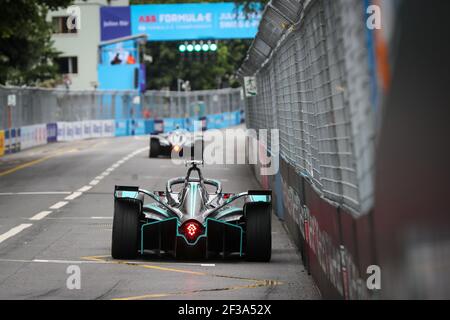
14 231
94 182
85 188
73 196
59 205
54 261
62 261
65 261
41 215
207 265
34 193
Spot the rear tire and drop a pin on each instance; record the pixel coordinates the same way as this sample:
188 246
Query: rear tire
125 233
258 231
155 148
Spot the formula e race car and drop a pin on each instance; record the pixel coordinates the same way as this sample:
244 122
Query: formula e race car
197 221
176 141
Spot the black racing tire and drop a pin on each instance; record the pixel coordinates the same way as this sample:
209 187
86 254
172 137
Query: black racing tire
258 231
155 148
125 232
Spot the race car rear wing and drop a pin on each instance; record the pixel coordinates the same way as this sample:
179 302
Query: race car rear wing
253 195
132 192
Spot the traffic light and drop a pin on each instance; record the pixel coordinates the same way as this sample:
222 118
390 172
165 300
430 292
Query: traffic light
198 50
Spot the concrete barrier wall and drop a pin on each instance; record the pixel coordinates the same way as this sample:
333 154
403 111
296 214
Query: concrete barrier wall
335 246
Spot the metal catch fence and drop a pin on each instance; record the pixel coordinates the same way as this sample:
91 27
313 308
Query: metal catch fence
310 61
35 106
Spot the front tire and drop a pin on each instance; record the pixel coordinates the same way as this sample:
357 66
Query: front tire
155 148
258 231
125 233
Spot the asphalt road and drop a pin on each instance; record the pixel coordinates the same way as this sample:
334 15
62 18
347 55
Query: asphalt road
56 206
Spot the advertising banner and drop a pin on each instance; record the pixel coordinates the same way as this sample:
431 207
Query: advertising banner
12 140
185 21
115 22
87 129
137 127
31 136
69 131
97 128
2 142
121 128
149 126
78 130
61 131
171 124
190 21
108 128
52 132
158 126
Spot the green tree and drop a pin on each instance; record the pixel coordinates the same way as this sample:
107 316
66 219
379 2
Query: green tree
26 52
203 70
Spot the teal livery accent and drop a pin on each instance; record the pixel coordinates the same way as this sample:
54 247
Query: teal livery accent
259 198
227 211
156 208
194 187
205 225
126 194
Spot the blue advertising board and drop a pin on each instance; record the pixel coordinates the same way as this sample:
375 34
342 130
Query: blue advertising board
186 21
115 22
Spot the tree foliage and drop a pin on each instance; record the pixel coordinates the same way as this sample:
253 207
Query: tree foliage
204 71
26 50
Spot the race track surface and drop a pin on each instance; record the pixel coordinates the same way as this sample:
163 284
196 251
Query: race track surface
56 207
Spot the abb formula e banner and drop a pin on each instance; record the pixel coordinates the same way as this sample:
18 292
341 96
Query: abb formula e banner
186 21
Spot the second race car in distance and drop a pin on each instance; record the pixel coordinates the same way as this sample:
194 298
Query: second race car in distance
176 141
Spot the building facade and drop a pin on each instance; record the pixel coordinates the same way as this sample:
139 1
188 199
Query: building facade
78 41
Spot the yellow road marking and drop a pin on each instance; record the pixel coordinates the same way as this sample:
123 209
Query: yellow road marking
95 258
173 270
32 163
261 283
257 283
146 266
146 296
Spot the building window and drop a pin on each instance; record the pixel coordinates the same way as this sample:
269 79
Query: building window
60 25
67 65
